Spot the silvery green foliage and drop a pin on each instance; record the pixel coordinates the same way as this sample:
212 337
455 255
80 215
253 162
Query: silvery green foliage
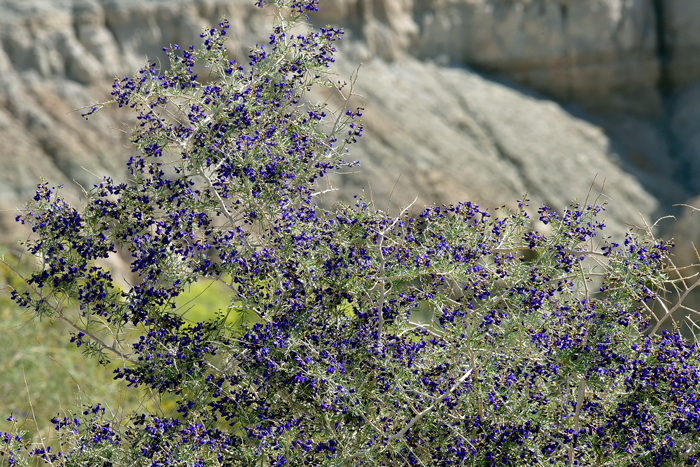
536 350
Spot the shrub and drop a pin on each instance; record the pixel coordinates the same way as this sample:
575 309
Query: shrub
40 374
533 349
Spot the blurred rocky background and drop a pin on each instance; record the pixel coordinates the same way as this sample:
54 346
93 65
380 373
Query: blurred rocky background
465 99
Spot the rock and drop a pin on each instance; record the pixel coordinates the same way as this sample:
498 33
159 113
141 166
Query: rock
585 52
449 133
681 41
446 135
601 54
605 55
685 127
57 56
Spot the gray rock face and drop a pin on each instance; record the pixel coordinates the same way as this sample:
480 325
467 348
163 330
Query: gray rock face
61 55
572 50
685 127
448 133
681 40
602 54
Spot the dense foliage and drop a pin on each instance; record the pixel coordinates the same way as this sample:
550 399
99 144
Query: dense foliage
447 336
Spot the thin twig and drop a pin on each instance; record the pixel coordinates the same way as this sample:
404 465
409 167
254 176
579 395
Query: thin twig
224 208
565 250
675 307
58 311
31 406
420 415
577 415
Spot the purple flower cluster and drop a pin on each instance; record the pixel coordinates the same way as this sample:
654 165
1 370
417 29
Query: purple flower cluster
453 336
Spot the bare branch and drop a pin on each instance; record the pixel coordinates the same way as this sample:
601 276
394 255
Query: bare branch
63 317
422 414
675 307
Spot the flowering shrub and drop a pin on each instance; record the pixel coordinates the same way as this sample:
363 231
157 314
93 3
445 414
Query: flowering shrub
532 348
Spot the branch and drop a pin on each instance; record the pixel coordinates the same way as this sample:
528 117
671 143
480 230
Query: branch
675 307
422 414
382 293
418 417
224 208
353 80
318 193
426 327
688 206
102 343
577 415
58 311
565 250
